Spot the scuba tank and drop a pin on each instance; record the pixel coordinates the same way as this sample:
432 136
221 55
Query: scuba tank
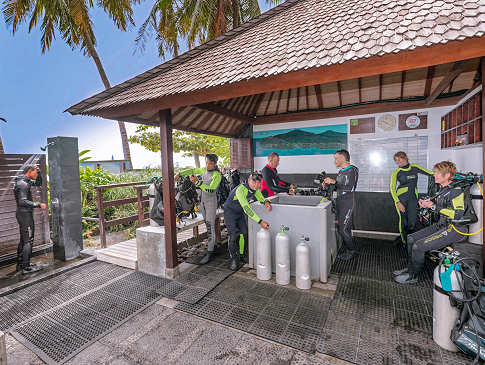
445 316
476 201
282 256
263 254
303 277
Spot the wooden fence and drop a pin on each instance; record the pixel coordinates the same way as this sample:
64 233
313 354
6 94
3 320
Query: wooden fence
142 202
11 165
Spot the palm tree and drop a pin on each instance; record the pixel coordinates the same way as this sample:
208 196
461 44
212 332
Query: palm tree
1 145
71 19
194 21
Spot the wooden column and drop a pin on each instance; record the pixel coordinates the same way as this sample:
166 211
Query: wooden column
166 148
483 155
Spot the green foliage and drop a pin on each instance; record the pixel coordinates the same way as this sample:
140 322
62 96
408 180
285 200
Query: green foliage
194 22
188 143
82 153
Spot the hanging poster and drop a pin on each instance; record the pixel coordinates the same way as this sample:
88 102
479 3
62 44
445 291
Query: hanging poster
413 121
324 140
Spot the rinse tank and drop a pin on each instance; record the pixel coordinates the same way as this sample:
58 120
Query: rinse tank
305 215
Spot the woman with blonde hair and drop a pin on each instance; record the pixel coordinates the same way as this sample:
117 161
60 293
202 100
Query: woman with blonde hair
450 204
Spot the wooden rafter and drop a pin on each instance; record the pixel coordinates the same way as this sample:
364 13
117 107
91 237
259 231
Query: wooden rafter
359 82
339 88
429 81
318 93
453 74
218 109
288 101
307 91
269 102
278 101
257 104
381 107
403 80
380 87
297 98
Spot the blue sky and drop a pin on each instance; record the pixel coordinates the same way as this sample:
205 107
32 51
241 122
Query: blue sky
36 88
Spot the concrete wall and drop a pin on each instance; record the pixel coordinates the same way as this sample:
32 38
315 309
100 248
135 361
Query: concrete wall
466 158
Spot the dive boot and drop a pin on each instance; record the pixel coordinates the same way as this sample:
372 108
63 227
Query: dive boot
400 272
406 279
234 252
208 257
30 269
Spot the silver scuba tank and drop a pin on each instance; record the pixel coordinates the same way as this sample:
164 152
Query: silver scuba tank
444 314
263 254
282 256
303 269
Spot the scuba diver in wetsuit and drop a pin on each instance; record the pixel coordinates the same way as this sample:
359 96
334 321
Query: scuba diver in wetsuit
236 208
271 183
211 178
25 216
450 204
345 184
404 192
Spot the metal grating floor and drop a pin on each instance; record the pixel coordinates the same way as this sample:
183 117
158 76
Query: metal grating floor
191 287
371 320
59 317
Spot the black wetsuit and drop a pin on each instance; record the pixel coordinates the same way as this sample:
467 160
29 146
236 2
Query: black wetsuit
236 208
271 183
346 184
25 218
450 205
404 189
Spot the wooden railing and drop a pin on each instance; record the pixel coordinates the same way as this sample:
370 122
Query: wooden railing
140 199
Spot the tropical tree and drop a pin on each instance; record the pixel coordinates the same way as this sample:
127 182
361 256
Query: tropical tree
191 144
194 21
72 20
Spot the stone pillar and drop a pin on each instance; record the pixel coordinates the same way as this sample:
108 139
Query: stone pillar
65 192
151 253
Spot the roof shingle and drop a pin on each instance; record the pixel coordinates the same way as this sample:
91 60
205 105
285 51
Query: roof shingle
301 34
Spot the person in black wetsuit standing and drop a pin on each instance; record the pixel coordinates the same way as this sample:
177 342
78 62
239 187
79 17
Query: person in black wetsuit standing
345 184
404 192
25 216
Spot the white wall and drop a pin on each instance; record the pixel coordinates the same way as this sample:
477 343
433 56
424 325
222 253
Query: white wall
466 158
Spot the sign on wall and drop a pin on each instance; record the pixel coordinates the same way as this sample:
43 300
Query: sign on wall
413 121
323 140
363 125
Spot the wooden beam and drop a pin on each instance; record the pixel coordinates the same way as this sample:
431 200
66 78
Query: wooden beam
453 74
429 81
307 97
278 102
257 104
318 93
269 102
359 81
403 80
395 62
380 87
339 88
166 148
298 99
350 111
483 151
288 101
214 108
